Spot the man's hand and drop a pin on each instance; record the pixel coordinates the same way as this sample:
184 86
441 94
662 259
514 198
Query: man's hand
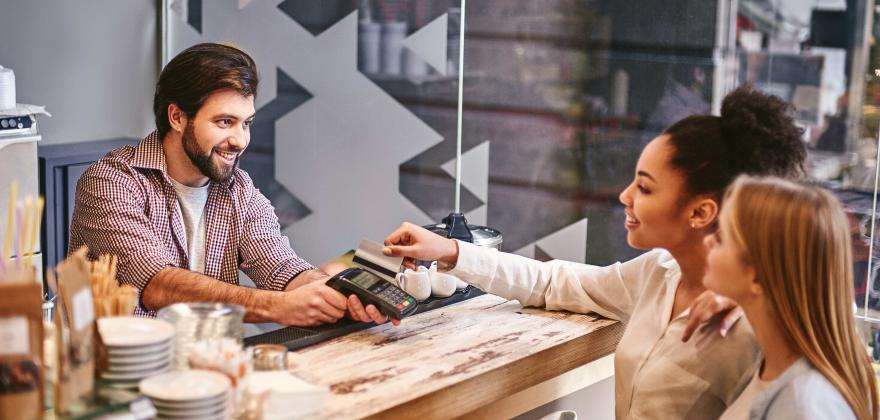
713 310
415 242
308 305
369 314
354 306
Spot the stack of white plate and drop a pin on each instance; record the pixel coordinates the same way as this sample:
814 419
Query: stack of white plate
190 394
137 348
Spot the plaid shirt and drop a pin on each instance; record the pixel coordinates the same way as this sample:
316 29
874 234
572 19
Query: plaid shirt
127 206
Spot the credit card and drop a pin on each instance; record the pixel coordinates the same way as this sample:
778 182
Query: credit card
369 256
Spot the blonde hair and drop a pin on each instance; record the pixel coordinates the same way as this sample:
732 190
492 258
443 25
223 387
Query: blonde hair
796 237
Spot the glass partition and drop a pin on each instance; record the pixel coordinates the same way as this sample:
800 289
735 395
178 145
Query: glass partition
358 105
355 125
564 95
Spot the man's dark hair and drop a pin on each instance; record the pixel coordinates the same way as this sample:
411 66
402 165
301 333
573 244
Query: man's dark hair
198 71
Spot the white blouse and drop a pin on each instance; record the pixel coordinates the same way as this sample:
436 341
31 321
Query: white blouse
656 374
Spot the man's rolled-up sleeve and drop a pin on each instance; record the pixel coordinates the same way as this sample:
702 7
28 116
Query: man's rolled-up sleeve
265 254
109 217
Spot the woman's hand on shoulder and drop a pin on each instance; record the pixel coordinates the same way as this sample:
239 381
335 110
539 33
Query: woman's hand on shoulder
711 310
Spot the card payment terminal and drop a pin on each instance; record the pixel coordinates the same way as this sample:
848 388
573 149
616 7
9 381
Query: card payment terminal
372 289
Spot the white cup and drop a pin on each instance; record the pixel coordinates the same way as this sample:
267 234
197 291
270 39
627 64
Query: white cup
416 283
459 284
442 284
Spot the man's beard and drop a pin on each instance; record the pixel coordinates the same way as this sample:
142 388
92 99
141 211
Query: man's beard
202 159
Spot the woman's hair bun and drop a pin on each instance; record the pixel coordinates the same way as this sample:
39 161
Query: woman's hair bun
761 135
754 135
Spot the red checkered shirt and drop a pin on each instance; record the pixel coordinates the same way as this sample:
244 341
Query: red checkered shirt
126 206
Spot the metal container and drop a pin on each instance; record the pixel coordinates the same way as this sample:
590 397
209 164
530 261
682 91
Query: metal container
269 357
483 235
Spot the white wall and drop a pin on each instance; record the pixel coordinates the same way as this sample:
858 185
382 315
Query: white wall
595 402
92 63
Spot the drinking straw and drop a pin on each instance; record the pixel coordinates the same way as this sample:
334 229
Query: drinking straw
41 202
2 268
19 216
26 226
113 267
52 281
10 220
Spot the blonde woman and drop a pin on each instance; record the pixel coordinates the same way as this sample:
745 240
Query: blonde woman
671 204
783 253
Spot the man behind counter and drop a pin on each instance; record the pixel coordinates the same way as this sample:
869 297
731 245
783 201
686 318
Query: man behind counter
183 218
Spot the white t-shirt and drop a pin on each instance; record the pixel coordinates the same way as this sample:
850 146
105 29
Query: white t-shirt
740 408
192 211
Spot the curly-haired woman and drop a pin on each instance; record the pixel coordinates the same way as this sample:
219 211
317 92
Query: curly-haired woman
671 205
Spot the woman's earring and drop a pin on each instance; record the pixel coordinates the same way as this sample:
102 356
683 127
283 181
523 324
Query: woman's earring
693 225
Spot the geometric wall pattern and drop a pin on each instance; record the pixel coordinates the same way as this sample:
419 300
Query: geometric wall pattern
330 147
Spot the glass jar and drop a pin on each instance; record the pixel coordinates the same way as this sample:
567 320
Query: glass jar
269 357
201 321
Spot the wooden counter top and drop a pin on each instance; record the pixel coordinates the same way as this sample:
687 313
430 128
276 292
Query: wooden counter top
451 361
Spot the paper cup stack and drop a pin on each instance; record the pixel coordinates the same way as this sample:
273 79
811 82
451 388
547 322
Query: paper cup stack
137 348
189 394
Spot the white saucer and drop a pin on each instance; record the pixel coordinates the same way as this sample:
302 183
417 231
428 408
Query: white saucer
138 367
194 413
191 404
185 385
140 358
130 331
221 416
133 376
151 351
122 384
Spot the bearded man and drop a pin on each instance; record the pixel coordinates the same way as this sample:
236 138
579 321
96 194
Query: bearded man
183 219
